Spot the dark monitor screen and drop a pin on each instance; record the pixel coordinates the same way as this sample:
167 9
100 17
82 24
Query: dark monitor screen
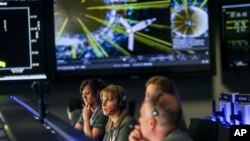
103 37
22 45
235 26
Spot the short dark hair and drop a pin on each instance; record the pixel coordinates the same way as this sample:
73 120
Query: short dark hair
167 108
95 84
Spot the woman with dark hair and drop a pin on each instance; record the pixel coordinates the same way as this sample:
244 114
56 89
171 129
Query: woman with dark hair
114 105
156 83
92 121
164 84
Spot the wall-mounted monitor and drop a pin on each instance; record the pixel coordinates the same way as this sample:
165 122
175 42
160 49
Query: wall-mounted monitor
22 42
103 37
235 33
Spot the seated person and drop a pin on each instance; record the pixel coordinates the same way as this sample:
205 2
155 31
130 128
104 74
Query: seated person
114 105
74 110
160 120
162 83
92 121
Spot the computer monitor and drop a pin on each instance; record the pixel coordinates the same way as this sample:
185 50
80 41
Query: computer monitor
22 44
242 106
133 37
235 31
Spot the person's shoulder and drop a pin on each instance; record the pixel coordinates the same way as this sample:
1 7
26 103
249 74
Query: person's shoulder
98 116
128 120
99 111
178 135
125 127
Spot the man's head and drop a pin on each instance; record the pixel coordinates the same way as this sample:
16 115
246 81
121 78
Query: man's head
159 115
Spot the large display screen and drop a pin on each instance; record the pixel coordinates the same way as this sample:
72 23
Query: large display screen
235 35
99 37
22 40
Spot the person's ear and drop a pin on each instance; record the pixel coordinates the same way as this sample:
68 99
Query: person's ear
151 123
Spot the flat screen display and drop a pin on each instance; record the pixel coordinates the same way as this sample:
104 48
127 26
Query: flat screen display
22 45
235 27
103 37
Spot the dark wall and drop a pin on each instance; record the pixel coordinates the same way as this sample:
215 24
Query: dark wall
190 88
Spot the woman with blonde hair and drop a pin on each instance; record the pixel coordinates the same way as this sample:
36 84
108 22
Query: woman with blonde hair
114 105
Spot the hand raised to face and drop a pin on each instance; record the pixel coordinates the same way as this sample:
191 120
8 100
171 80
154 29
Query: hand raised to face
87 112
136 135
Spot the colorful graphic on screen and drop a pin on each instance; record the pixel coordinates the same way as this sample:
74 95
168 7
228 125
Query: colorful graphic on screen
123 32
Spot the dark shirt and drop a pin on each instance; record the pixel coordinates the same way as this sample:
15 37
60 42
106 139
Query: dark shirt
178 135
120 133
97 120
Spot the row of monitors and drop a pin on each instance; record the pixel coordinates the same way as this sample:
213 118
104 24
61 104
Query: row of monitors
71 38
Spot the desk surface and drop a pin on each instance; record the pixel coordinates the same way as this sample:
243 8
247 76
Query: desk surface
23 125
